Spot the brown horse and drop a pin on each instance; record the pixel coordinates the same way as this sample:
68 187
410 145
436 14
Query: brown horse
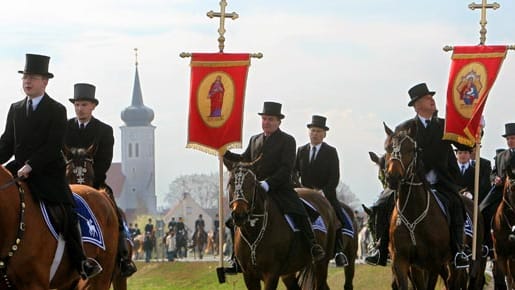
79 170
27 247
199 240
474 279
350 248
417 252
264 243
504 231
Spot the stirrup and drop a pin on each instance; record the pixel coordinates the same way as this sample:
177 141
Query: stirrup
341 260
485 251
90 268
464 256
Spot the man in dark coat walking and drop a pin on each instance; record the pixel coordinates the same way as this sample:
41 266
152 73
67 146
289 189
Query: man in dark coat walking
318 167
34 134
274 170
85 131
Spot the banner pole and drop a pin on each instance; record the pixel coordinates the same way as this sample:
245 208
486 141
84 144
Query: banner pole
221 226
477 158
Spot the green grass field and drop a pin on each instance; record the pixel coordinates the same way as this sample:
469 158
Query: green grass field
202 276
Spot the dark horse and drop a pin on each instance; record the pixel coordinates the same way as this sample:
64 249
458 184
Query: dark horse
79 170
503 226
264 244
199 242
350 248
419 247
28 248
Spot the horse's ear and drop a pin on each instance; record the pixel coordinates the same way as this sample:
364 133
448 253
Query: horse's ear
387 129
366 209
92 149
373 157
228 164
67 152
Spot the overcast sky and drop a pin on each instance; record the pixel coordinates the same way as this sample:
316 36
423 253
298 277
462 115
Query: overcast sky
352 61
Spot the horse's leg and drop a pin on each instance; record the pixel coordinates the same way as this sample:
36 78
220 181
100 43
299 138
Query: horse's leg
400 272
290 282
252 283
499 279
271 282
349 276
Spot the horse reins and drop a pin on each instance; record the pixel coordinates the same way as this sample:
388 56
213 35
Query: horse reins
410 174
253 218
78 170
4 261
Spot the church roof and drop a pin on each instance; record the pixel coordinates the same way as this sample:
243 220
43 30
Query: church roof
137 114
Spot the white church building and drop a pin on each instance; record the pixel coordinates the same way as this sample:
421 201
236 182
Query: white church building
138 192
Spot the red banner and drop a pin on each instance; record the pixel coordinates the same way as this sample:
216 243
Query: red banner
472 75
217 94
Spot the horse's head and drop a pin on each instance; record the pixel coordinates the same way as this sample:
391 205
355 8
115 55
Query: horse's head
243 190
401 156
381 163
509 186
79 165
371 221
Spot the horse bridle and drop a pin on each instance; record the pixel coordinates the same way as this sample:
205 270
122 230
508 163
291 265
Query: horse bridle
78 170
409 177
508 203
239 177
19 235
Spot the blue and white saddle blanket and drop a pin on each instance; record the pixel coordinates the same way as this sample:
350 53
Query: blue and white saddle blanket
469 230
318 223
89 227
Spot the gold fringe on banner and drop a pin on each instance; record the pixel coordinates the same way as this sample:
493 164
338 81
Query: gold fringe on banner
213 151
220 63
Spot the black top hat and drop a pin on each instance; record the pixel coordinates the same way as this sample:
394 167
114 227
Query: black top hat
272 109
417 92
84 92
37 65
461 147
319 122
510 129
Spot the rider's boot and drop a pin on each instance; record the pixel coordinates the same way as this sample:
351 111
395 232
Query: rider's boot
461 259
339 258
127 266
234 268
87 267
317 252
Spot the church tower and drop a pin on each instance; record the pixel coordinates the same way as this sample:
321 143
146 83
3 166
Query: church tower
138 159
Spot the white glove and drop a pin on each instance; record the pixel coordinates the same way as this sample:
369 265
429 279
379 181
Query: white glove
24 171
467 194
264 185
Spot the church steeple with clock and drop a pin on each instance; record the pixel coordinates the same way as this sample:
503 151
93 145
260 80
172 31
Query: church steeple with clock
138 195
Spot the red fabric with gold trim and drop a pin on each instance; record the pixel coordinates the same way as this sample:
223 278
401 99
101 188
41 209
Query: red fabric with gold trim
472 75
217 94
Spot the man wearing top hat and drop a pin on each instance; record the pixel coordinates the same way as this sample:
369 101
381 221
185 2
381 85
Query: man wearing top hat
439 164
317 166
34 134
85 131
275 168
504 160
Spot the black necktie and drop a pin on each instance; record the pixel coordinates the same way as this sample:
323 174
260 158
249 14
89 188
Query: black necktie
463 170
29 108
313 154
428 122
81 126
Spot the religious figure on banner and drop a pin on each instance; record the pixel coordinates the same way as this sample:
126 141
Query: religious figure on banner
216 96
468 88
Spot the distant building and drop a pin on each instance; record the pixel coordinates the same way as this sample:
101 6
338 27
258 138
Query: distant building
189 210
138 193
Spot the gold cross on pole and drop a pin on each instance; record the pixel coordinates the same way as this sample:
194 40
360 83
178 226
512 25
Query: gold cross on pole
222 16
483 6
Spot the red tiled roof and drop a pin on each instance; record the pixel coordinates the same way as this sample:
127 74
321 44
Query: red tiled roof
115 178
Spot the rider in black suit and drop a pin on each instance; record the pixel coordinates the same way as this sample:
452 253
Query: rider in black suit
34 134
84 131
503 161
317 165
274 170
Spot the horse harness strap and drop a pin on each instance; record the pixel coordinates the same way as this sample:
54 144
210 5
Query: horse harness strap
253 246
4 261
